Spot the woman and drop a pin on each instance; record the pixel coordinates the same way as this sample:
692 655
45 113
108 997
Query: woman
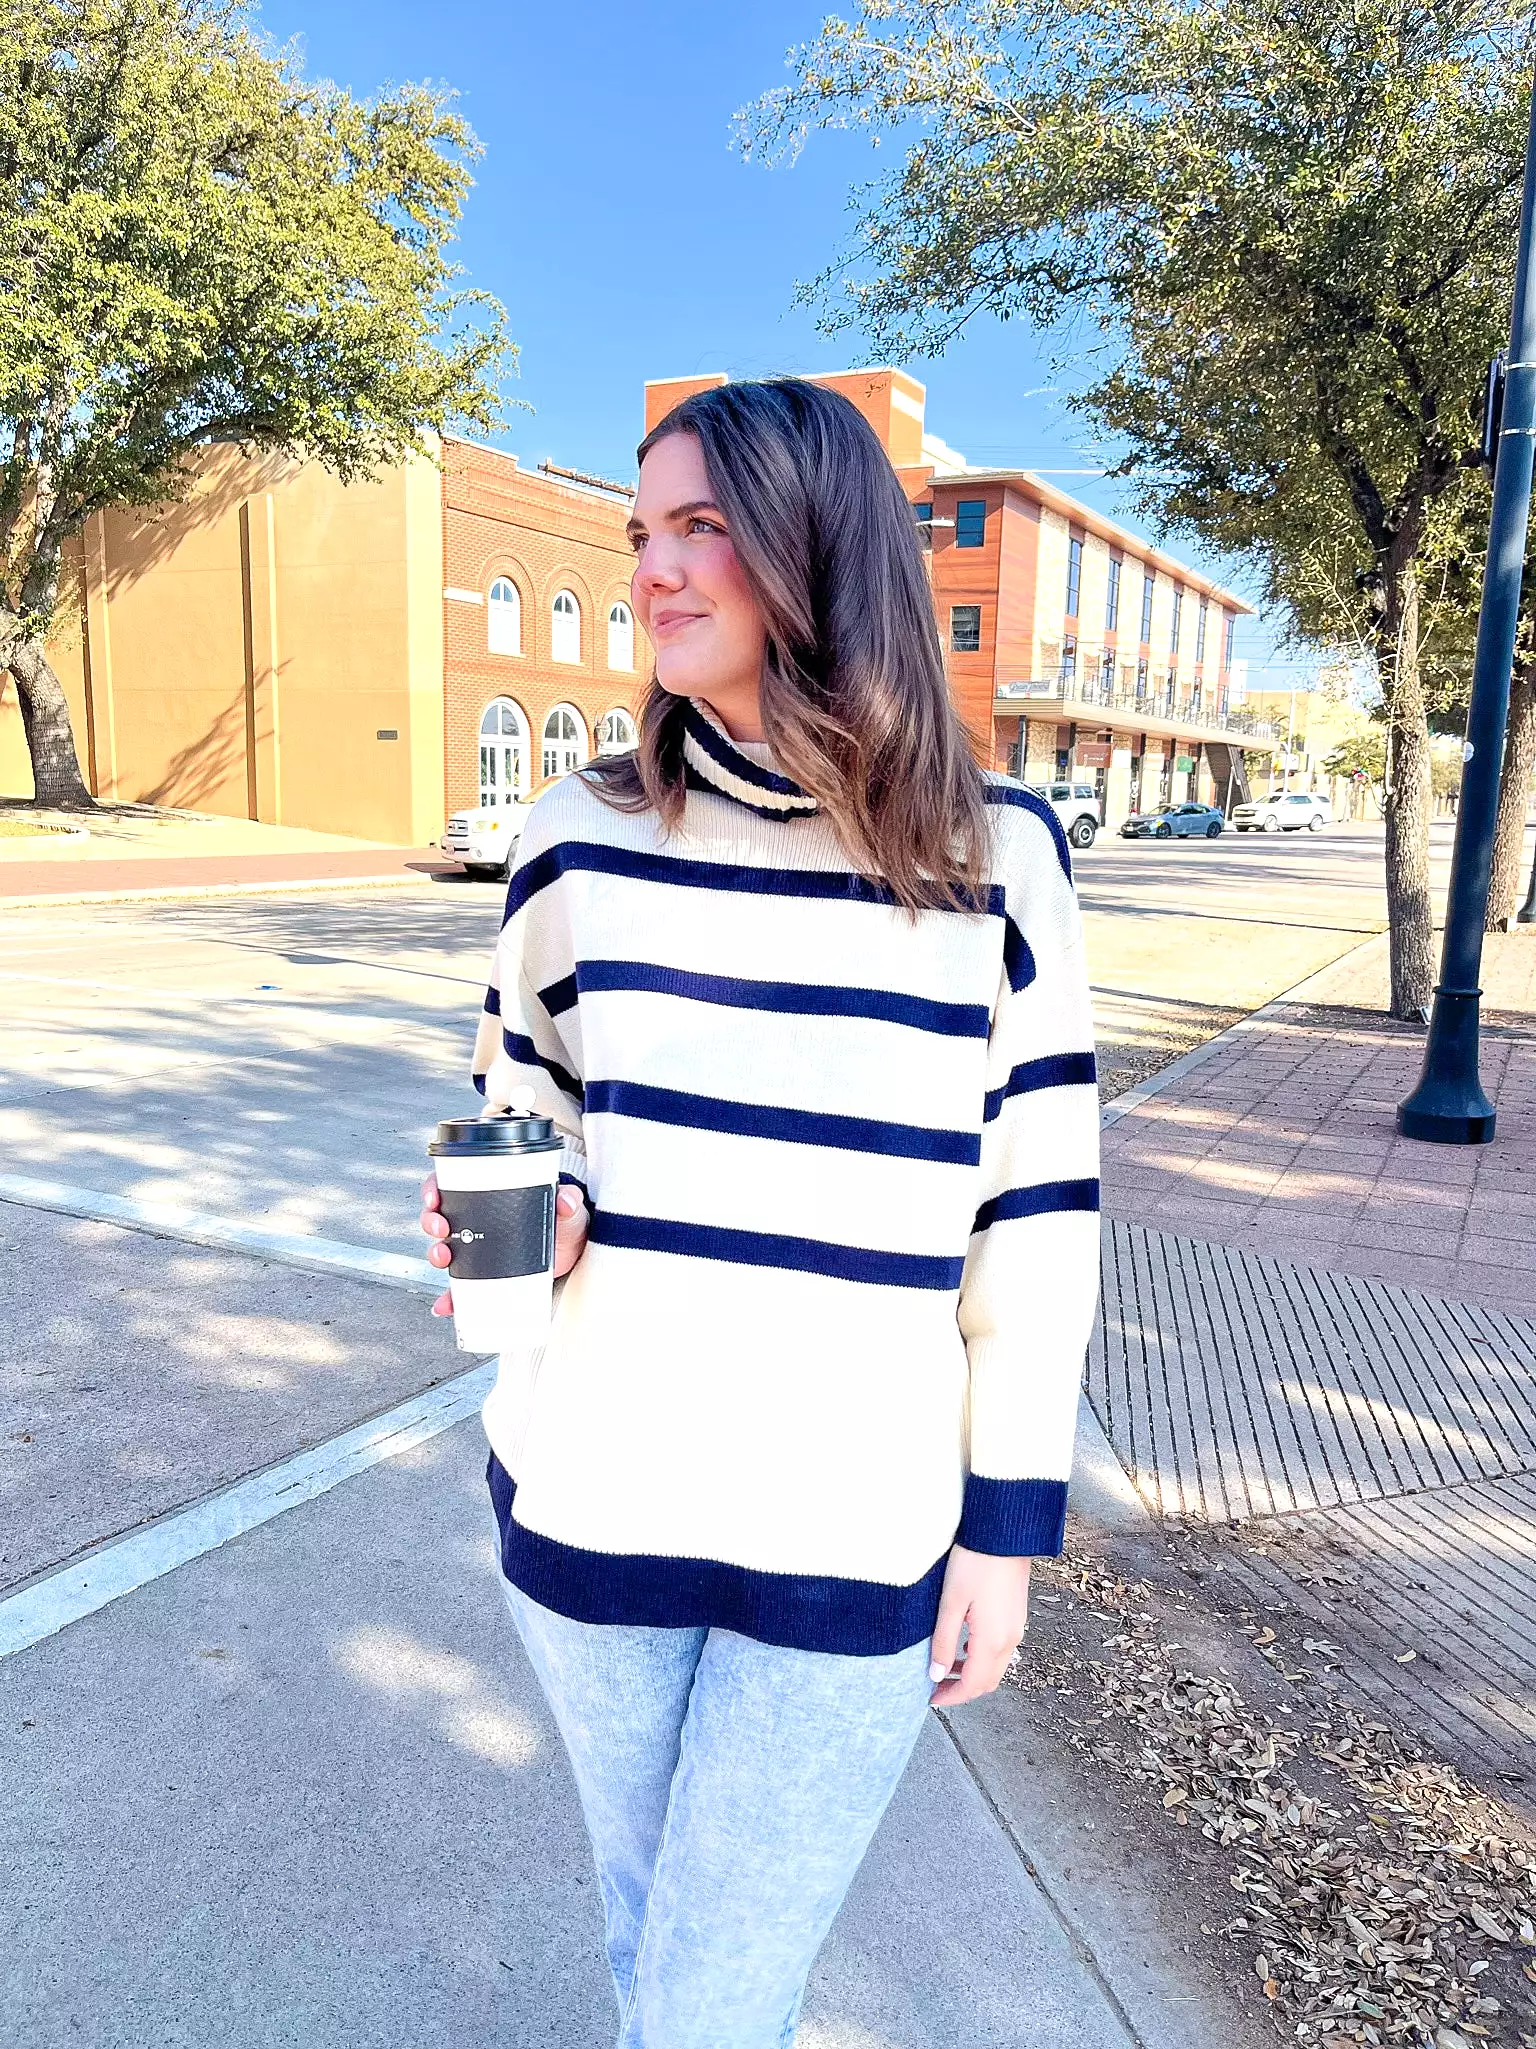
803 990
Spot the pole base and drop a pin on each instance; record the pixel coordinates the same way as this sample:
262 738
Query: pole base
1448 1106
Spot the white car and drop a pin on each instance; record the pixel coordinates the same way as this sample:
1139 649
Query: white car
485 840
1077 806
1287 811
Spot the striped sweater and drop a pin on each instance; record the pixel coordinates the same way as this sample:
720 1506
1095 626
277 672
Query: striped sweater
841 1165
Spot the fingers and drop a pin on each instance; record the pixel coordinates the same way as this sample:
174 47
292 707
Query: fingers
981 1671
570 1228
429 1194
443 1306
946 1631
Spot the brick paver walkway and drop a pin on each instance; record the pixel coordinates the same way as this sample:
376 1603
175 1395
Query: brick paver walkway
1320 1338
1285 1142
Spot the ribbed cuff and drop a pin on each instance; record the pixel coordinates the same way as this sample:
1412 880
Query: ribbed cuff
573 1164
1013 1518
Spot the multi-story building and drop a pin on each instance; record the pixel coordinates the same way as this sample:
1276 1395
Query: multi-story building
1074 648
364 658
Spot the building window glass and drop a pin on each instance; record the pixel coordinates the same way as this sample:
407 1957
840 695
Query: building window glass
965 629
971 523
1074 577
503 754
621 636
616 732
923 514
564 630
1068 671
504 618
1141 679
1200 631
565 740
1107 674
1178 619
1112 597
1148 583
1226 653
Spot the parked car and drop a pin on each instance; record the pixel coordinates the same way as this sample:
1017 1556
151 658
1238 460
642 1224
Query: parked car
485 840
1077 806
1286 811
1174 821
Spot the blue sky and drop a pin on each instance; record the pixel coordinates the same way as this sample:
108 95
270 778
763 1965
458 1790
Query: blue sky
627 239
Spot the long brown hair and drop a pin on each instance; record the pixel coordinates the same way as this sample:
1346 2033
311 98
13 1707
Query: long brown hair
855 704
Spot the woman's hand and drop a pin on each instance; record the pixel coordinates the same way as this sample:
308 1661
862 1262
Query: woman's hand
992 1596
570 1232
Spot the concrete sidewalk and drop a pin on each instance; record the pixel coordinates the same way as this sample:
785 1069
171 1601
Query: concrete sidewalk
304 1791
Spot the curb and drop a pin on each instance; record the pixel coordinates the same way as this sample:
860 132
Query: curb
193 891
1133 1098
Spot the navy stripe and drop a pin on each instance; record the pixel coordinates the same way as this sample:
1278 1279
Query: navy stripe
1055 1071
718 748
479 1082
571 1181
493 1002
796 999
1017 958
1014 1518
692 780
559 996
801 1611
1030 800
771 1120
526 1053
1042 1199
769 1248
591 856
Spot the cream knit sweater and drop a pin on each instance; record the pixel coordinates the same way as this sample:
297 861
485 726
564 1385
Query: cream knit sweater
843 1253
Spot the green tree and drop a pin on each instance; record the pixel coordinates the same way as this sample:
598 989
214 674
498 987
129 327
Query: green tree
197 245
1361 754
1286 227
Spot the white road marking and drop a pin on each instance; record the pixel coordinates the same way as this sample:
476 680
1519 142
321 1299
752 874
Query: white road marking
89 1584
225 1234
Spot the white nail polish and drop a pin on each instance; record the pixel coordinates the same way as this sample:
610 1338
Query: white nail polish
936 1671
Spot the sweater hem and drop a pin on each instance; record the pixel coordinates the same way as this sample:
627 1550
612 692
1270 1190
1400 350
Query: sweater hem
796 1611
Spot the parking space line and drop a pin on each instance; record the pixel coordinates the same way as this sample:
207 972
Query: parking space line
89 1584
224 1234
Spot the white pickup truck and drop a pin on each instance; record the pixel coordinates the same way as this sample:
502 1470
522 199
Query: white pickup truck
1077 806
486 840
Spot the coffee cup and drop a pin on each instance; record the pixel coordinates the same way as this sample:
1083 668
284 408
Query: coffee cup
496 1178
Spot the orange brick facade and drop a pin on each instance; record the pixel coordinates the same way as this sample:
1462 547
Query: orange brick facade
545 537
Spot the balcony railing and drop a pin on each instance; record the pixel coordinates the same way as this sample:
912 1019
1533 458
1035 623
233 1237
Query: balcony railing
1155 701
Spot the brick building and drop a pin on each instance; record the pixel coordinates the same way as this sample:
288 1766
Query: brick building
365 658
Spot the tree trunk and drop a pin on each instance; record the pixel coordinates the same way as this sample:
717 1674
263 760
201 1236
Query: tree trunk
45 719
1514 798
1406 802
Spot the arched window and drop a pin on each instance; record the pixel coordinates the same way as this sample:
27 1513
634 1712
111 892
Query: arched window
565 628
503 754
621 636
565 740
616 732
504 618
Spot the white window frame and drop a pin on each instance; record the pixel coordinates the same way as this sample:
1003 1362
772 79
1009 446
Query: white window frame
565 628
504 617
621 637
616 731
496 746
562 753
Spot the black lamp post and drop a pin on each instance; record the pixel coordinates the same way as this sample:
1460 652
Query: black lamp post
1448 1106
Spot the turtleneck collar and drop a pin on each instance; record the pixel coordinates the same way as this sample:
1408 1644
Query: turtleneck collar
739 769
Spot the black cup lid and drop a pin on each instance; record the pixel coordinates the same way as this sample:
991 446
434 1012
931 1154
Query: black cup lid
494 1134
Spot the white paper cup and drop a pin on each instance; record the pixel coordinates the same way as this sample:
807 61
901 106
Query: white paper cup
496 1179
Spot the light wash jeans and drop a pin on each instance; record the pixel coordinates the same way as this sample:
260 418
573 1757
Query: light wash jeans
730 1790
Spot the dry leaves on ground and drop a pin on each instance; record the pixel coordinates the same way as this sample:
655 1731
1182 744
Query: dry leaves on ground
1374 1904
